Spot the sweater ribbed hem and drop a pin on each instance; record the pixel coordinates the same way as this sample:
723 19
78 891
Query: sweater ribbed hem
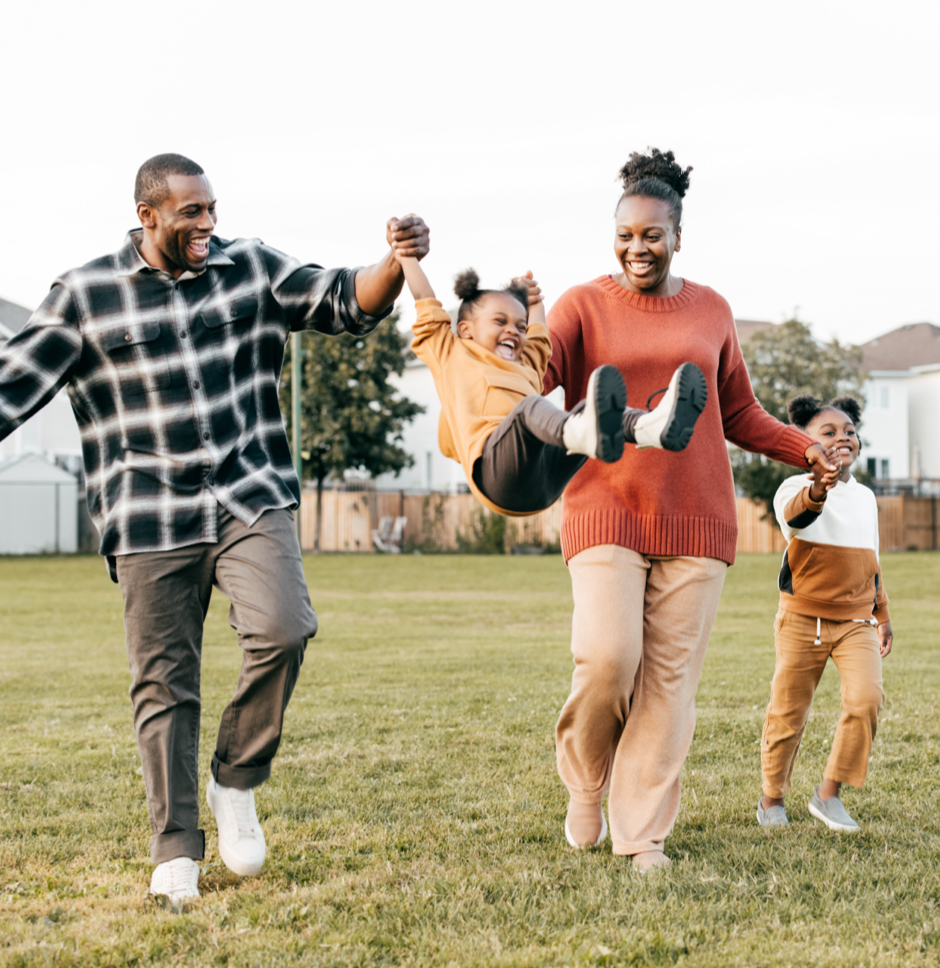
650 534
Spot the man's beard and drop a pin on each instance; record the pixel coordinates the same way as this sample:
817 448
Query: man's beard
176 255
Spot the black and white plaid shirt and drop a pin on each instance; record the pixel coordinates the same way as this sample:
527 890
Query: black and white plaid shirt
174 383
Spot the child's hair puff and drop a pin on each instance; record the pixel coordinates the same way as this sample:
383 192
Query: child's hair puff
805 407
468 291
656 175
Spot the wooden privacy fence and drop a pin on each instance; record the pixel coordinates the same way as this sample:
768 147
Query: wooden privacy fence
438 522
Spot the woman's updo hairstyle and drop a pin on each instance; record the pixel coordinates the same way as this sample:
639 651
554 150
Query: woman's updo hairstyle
804 408
467 288
656 175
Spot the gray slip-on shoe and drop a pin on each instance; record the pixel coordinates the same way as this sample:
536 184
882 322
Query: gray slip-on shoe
772 816
832 813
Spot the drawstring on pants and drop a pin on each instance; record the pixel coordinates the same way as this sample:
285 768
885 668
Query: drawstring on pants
865 621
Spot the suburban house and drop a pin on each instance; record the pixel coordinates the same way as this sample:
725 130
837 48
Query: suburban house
52 432
42 506
902 410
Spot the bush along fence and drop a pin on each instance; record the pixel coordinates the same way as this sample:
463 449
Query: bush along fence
439 522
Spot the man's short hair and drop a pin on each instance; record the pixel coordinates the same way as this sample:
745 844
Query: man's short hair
151 187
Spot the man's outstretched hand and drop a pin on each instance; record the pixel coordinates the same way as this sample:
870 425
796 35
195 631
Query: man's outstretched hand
409 237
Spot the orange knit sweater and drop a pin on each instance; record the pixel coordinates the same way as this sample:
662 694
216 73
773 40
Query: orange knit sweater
653 501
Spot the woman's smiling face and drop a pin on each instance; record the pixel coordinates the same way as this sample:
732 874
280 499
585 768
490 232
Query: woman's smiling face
645 241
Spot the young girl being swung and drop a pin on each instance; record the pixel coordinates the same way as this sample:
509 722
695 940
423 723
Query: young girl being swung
832 604
518 450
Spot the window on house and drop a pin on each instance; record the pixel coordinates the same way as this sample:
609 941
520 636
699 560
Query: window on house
428 458
885 400
885 468
871 466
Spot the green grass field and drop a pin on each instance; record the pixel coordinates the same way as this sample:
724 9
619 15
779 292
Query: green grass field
414 816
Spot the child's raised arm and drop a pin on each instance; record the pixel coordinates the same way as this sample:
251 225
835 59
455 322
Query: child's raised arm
416 279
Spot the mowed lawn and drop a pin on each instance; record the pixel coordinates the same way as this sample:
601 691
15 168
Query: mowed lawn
414 816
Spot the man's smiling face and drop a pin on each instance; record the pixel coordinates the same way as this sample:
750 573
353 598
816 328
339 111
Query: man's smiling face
177 231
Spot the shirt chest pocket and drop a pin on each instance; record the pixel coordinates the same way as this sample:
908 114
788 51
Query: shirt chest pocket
503 392
138 359
226 339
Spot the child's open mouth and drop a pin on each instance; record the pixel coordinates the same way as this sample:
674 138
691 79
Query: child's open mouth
506 349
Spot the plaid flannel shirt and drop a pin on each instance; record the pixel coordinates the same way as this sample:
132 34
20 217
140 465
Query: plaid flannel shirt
174 383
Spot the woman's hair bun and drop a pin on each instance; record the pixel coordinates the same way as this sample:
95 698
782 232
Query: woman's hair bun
802 409
849 406
467 285
657 164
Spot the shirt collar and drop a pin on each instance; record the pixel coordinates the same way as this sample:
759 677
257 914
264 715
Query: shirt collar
130 261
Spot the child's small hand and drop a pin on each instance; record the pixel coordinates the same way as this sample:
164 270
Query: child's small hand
885 638
526 281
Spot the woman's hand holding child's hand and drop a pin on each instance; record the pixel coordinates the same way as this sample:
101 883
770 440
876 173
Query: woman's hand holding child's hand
825 477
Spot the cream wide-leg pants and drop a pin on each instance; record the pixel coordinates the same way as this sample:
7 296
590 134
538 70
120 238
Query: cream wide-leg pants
639 631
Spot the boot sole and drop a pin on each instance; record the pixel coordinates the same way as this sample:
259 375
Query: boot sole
691 397
610 398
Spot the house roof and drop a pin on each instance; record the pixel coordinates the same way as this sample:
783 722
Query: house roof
13 318
748 327
916 344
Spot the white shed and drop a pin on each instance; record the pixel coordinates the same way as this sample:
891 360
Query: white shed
38 507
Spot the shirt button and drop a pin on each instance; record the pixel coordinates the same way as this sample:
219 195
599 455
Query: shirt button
127 337
195 384
205 436
182 334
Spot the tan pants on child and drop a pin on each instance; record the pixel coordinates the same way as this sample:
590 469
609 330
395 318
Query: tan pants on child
853 647
639 631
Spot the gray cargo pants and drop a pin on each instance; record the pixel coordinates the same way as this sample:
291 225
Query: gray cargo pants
166 597
524 466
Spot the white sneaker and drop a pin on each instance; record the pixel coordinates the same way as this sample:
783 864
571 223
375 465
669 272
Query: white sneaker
241 839
177 879
597 430
670 425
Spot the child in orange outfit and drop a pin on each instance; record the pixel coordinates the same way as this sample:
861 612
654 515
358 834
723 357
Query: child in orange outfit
518 450
832 604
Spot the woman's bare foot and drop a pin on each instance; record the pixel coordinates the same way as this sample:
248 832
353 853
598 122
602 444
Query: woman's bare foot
649 859
828 789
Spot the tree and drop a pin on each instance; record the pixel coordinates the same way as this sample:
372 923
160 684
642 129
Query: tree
351 416
784 362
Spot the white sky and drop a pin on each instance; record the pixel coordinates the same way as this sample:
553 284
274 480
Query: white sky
813 129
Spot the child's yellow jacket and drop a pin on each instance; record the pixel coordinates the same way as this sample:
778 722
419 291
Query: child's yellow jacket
477 389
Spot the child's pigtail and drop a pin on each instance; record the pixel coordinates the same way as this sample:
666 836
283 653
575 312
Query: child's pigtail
802 409
467 289
849 406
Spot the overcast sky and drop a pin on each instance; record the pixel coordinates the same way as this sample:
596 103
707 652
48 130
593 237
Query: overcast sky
813 129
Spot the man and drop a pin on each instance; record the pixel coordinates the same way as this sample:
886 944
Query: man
171 350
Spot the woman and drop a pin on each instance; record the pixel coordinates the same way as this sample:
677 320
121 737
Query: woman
648 539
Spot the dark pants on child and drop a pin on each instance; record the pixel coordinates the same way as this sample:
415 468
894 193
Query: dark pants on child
166 599
524 466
